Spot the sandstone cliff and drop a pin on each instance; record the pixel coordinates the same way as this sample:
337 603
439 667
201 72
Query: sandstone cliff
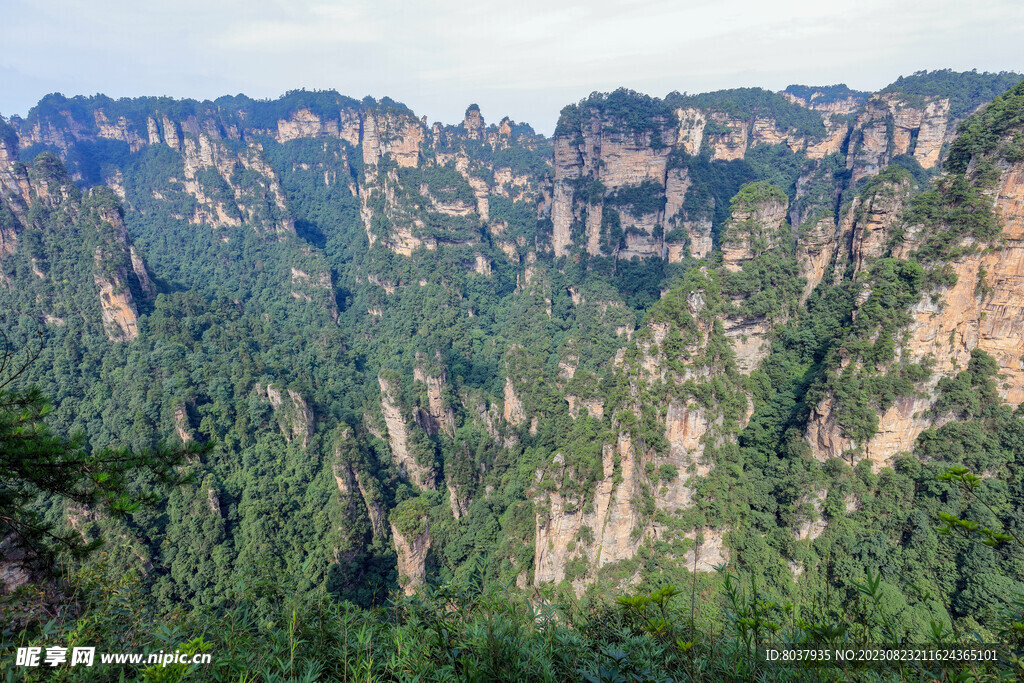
890 125
399 436
660 441
412 558
976 302
600 155
437 416
294 417
42 197
120 317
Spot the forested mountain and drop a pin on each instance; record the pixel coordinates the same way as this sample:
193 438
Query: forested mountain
740 327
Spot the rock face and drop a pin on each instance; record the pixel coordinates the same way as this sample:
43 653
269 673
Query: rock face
819 100
398 436
15 566
866 227
695 232
356 491
575 536
709 551
120 317
870 221
116 265
579 533
725 137
617 189
756 225
599 537
15 188
412 558
303 123
592 163
890 126
621 190
474 123
513 412
392 133
439 211
374 509
181 425
437 417
110 273
260 204
294 417
816 249
983 310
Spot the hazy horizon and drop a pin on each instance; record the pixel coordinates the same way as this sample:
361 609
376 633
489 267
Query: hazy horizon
526 62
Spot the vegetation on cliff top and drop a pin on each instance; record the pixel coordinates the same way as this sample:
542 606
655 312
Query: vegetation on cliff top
826 94
746 104
988 130
323 314
966 90
623 110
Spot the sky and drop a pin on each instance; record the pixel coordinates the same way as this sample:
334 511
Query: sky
522 58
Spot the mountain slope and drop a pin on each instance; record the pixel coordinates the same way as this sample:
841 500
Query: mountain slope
645 346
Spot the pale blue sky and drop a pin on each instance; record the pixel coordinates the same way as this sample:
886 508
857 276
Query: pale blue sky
525 58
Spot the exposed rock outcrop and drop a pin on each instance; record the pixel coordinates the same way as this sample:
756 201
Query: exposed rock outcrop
373 508
16 566
437 417
890 126
603 156
946 325
117 306
513 411
294 417
816 249
412 558
392 133
602 535
870 221
708 552
757 224
398 436
181 425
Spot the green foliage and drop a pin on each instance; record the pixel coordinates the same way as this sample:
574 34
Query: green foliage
470 632
966 90
752 194
646 198
986 131
972 393
444 183
410 516
714 184
623 110
747 103
778 165
825 94
37 466
954 209
265 553
8 136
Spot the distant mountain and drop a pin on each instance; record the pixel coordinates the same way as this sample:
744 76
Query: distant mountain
737 326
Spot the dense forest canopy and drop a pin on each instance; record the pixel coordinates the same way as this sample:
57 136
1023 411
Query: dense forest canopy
624 404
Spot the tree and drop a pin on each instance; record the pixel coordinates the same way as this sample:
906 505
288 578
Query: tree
38 468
